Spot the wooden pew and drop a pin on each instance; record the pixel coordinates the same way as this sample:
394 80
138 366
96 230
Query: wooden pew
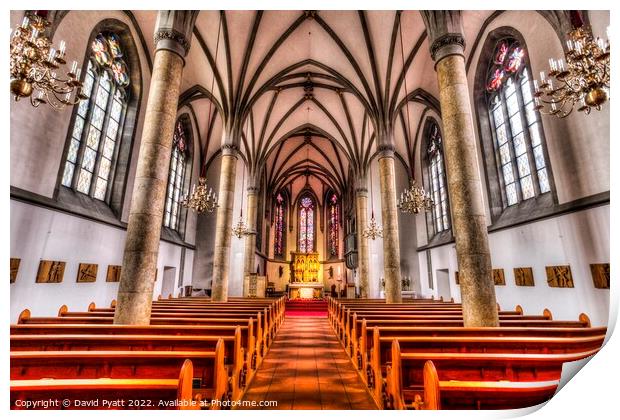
472 380
233 351
255 352
111 390
209 374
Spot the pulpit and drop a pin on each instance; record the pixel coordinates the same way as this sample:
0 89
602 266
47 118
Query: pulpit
305 276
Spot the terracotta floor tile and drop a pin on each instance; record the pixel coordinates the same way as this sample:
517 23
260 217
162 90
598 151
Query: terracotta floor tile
307 369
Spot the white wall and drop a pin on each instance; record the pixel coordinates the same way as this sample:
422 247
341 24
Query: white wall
577 239
38 233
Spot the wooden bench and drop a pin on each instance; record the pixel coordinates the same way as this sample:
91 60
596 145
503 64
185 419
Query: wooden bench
209 373
233 351
472 380
128 392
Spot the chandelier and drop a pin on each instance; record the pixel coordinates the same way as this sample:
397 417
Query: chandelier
373 230
583 79
414 200
33 66
240 229
201 200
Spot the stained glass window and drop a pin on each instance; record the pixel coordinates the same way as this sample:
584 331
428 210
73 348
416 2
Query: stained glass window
306 224
98 120
437 178
279 226
516 124
334 225
176 177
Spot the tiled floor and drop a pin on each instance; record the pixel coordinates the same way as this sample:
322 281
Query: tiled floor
306 368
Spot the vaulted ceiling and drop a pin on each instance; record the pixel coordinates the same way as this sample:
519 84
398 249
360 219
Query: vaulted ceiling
265 79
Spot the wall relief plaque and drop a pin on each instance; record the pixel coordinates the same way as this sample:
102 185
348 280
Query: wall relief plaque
114 274
600 275
87 273
498 277
524 276
51 271
14 268
559 276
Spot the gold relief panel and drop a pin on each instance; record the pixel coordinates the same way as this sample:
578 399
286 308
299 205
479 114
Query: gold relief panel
559 276
456 277
600 275
524 276
498 277
87 273
51 271
114 274
14 268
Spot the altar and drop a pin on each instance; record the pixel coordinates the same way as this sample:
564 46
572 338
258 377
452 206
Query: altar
305 291
305 276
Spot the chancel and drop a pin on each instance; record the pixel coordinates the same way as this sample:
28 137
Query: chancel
317 209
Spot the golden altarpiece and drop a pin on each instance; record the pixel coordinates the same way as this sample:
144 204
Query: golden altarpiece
305 283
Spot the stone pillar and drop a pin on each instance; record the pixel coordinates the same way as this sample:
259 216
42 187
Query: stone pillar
249 266
464 186
361 204
172 35
223 226
389 214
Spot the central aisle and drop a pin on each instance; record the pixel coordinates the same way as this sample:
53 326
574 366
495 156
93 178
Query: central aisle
306 368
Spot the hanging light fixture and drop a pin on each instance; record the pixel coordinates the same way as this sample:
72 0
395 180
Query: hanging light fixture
240 229
200 199
373 230
34 64
582 80
414 199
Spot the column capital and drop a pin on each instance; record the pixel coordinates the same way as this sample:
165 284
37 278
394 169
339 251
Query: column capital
386 150
361 191
251 189
173 30
230 150
445 33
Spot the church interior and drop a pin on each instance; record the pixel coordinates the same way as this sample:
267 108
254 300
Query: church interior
389 210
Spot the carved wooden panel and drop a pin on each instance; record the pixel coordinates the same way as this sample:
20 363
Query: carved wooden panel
524 276
498 277
456 277
600 275
87 273
114 274
51 271
559 276
14 268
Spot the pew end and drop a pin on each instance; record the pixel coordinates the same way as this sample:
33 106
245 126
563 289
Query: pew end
91 306
113 303
585 320
547 314
519 309
23 316
62 310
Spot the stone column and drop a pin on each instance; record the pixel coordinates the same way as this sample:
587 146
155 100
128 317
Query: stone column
223 226
249 266
172 35
464 186
361 204
389 214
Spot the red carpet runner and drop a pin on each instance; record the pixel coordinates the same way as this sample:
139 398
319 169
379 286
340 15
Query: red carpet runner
306 307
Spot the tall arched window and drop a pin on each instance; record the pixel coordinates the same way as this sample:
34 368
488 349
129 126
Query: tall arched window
518 137
437 178
99 120
333 225
279 225
306 224
176 176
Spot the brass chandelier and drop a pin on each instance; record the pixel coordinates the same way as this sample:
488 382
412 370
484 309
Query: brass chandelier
240 229
414 200
373 230
582 81
34 63
201 200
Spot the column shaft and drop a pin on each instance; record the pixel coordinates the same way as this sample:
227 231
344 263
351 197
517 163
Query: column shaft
145 217
250 239
464 187
223 228
361 202
391 244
